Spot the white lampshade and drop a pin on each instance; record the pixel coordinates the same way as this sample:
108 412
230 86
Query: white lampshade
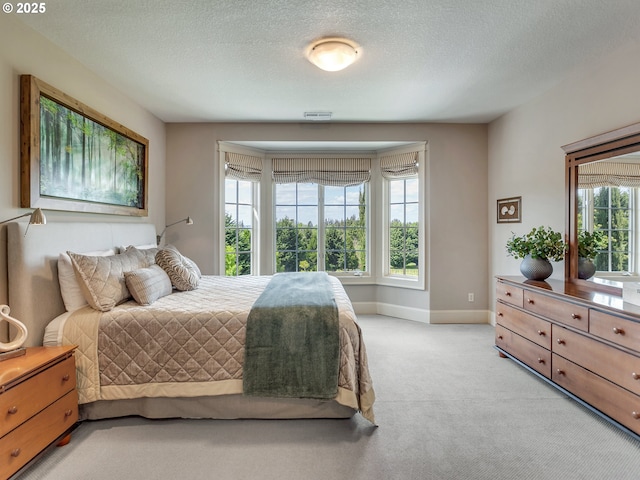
332 54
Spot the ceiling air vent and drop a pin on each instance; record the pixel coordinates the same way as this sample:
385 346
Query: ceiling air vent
317 116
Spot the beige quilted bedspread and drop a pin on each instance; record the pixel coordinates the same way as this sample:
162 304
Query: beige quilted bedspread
191 344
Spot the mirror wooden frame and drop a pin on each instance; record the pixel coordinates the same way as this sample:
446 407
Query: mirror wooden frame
600 147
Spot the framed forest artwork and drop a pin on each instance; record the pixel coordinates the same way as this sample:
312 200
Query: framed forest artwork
74 158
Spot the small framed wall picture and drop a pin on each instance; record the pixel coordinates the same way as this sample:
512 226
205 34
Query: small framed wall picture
510 210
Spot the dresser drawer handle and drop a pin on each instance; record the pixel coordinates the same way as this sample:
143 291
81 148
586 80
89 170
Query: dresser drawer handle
560 372
65 378
635 376
530 301
541 333
618 331
635 415
68 413
13 410
15 452
507 294
576 316
541 360
500 337
560 341
500 314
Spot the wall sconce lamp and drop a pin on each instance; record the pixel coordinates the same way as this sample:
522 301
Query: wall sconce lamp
37 218
188 221
15 348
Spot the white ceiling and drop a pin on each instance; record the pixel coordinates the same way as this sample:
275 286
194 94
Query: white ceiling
421 61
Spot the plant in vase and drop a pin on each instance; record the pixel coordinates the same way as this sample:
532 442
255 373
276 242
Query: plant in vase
536 248
588 245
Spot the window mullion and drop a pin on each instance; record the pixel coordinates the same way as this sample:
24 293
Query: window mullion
321 230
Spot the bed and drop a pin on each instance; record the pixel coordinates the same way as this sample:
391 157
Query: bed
204 382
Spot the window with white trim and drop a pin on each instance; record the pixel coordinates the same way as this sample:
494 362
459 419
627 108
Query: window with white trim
242 177
402 229
321 214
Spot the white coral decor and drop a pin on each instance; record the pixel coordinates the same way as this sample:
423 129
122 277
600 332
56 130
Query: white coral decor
22 330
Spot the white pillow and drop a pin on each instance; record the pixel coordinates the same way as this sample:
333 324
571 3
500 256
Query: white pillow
69 287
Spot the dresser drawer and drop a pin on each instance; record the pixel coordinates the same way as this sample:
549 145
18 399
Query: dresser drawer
527 352
27 398
568 313
22 444
619 367
615 329
620 404
522 323
509 294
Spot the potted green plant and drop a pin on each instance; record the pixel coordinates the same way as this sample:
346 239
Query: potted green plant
536 248
588 245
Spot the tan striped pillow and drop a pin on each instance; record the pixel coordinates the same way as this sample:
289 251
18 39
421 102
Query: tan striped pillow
182 271
148 284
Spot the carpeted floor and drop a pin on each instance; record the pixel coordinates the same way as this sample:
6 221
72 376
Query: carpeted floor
448 408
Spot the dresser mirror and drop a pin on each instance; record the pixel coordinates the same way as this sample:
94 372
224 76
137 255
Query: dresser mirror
603 193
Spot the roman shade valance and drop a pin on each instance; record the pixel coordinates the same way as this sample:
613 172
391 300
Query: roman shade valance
402 165
322 170
240 166
609 174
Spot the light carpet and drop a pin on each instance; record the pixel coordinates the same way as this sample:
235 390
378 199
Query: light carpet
448 408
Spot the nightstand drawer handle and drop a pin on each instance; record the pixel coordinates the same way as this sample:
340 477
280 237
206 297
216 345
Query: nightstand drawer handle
15 452
635 415
530 300
575 316
65 378
541 333
618 331
560 372
500 314
635 376
507 294
13 410
560 341
68 413
541 360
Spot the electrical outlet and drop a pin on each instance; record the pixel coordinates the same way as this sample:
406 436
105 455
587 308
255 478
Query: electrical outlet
471 297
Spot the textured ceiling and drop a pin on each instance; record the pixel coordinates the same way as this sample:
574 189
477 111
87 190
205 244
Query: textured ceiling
422 60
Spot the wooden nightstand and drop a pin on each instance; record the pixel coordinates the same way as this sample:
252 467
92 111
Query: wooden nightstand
38 404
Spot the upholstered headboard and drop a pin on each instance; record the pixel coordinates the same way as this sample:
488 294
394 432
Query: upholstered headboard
32 261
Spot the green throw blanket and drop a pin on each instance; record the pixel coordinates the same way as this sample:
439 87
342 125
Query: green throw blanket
292 347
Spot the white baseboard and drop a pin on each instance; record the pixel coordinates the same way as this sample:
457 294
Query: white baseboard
422 315
460 316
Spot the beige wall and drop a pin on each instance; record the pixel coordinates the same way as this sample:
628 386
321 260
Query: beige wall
457 191
525 154
25 52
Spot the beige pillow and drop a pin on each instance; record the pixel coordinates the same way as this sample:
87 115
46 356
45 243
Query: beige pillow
148 284
102 278
183 272
70 289
149 252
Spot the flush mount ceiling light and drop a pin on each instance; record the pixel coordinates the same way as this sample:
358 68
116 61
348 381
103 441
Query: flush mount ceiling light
333 54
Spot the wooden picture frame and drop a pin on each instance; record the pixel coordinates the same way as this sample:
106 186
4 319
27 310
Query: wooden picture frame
74 158
509 210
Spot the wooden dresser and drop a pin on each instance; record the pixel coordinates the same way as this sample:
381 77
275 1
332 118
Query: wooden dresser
38 404
583 342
